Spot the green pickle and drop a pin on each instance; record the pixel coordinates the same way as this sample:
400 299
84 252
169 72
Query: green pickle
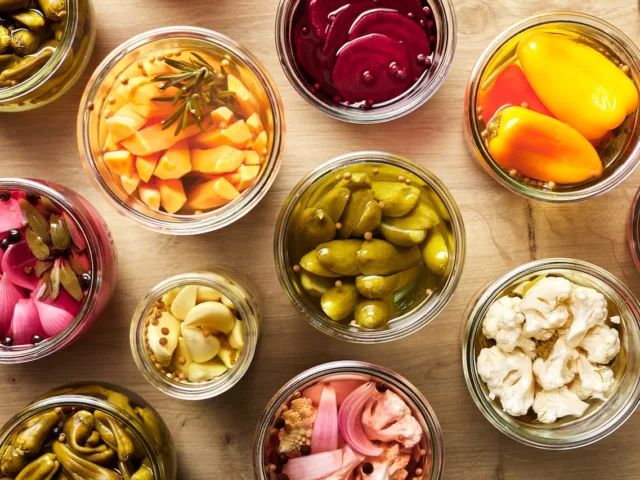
369 243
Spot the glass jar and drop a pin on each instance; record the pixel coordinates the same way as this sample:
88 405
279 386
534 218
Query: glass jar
102 259
633 229
420 314
600 420
247 302
63 69
585 26
97 95
136 417
434 444
412 99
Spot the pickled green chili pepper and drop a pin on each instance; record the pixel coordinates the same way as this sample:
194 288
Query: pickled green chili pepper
13 5
43 468
5 39
55 10
26 67
80 468
32 19
24 42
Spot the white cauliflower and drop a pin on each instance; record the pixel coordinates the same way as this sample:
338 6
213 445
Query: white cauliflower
387 418
528 346
544 307
509 377
601 343
589 308
504 323
559 369
615 319
592 381
550 405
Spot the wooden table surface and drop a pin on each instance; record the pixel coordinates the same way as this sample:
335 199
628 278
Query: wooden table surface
214 438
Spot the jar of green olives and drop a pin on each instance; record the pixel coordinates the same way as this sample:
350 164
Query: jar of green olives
44 47
95 431
369 247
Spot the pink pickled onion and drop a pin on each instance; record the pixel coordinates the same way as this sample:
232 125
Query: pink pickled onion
350 421
325 427
11 217
313 467
15 259
9 297
25 322
343 388
56 316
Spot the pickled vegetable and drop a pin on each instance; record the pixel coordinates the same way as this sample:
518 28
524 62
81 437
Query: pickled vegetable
392 248
316 226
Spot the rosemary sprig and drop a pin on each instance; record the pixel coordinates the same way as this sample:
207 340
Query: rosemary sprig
201 89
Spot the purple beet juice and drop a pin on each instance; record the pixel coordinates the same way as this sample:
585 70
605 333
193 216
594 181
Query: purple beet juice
363 53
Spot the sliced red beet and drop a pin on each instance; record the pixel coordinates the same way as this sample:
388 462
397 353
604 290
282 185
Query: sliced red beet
308 48
15 259
25 323
11 217
374 69
511 87
398 27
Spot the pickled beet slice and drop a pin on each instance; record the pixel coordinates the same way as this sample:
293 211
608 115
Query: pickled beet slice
397 27
11 217
310 57
16 258
374 68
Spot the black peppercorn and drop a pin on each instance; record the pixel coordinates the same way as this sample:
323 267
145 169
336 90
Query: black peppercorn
278 468
32 198
7 341
4 243
283 459
367 468
36 339
14 236
4 196
85 280
305 450
381 387
280 423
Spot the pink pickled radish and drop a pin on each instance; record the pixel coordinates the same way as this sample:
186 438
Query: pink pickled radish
313 467
350 421
25 322
74 232
56 316
325 427
15 259
342 387
9 297
11 217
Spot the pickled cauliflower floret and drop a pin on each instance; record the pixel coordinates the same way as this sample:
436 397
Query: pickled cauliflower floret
601 343
592 381
559 369
588 308
544 307
550 405
504 323
509 377
387 418
299 418
390 465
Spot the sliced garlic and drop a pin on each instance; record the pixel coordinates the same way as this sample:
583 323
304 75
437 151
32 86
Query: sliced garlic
202 348
155 337
211 315
228 355
170 296
202 372
227 303
181 357
236 337
206 294
184 301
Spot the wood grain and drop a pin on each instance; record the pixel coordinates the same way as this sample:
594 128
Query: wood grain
214 438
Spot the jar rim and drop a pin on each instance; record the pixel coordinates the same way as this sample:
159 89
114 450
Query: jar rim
175 224
64 338
195 391
390 377
418 317
634 229
417 95
49 69
474 139
473 318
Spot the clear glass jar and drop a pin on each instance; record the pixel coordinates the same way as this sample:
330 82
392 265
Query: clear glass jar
247 301
95 99
633 229
142 422
582 25
412 320
63 69
422 411
600 420
445 20
102 258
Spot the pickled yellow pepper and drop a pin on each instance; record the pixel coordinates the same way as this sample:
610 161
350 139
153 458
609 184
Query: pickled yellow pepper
578 84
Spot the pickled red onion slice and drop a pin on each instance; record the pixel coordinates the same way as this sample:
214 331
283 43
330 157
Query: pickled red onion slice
342 387
313 467
9 297
11 217
56 316
25 322
15 259
325 427
350 421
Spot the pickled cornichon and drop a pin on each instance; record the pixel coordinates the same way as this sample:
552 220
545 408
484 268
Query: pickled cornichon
369 243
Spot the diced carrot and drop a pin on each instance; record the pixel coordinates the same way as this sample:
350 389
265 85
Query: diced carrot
124 123
154 109
109 144
251 157
149 194
147 165
175 163
222 114
130 183
172 196
233 178
243 96
255 124
211 194
157 68
260 145
246 173
144 93
120 162
154 139
236 135
219 160
127 90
